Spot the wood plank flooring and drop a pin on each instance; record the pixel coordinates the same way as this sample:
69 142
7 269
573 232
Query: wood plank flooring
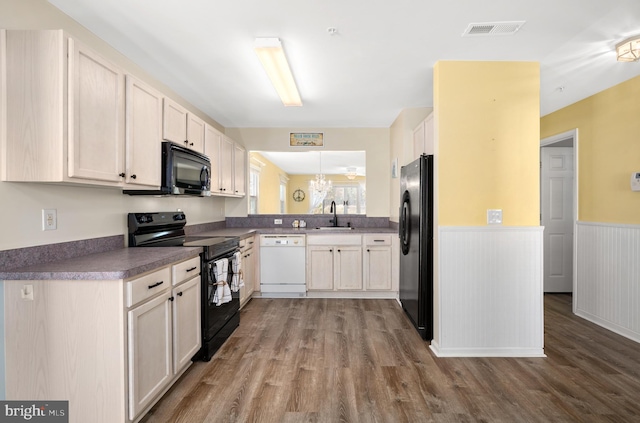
320 360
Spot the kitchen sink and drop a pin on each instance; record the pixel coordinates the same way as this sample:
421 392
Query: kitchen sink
337 228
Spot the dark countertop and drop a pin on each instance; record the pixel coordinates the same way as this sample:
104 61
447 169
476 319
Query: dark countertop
124 263
110 265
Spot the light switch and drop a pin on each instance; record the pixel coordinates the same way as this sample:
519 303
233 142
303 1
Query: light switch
494 216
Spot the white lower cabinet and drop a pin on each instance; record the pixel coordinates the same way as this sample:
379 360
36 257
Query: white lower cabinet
248 254
110 347
377 262
164 332
353 264
334 262
150 345
186 311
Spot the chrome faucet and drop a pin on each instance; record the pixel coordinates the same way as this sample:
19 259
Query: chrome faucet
334 210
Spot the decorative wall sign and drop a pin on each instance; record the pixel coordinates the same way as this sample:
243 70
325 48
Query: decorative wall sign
306 139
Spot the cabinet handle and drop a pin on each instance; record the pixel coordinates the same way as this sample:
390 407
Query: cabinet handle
122 175
192 269
171 298
331 250
133 176
368 250
191 144
180 294
378 240
338 250
156 284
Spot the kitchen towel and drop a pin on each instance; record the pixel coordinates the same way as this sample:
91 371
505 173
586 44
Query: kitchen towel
237 281
221 271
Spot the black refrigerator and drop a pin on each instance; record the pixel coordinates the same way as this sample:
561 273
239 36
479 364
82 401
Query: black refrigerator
416 243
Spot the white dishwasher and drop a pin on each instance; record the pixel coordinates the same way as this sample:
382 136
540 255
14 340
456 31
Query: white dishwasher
282 266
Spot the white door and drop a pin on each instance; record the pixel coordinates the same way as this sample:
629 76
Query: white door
556 193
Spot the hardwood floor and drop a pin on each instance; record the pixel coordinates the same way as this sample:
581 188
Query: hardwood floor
318 360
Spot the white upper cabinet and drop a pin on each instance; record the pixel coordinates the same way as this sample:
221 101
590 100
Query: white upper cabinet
226 166
64 111
423 136
212 145
239 169
195 133
182 127
96 116
143 133
174 122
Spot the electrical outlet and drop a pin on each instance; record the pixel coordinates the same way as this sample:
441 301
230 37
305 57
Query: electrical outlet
49 219
494 216
277 221
26 293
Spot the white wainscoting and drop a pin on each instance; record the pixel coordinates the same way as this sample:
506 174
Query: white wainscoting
607 287
490 292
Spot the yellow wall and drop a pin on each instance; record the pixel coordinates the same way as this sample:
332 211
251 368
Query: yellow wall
487 117
608 151
269 194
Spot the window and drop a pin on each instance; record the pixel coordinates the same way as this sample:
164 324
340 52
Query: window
349 198
283 194
254 189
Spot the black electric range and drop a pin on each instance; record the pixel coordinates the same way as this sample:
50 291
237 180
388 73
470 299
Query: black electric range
166 229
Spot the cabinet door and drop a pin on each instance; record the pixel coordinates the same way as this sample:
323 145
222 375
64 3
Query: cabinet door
348 269
187 338
33 62
377 268
149 351
418 140
320 268
195 133
96 116
239 169
143 133
226 166
174 122
212 145
248 272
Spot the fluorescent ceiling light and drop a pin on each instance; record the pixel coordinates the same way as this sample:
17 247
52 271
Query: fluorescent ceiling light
271 55
628 50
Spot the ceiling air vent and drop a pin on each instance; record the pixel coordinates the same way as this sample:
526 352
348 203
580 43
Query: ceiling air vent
493 28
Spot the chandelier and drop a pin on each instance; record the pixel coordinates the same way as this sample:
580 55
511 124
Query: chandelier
320 186
351 173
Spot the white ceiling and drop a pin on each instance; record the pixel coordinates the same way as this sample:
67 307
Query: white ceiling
379 61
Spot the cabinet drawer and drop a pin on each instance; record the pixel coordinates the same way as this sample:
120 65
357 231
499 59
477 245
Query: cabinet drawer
147 286
373 240
185 270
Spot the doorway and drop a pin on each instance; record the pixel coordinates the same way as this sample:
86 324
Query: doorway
558 209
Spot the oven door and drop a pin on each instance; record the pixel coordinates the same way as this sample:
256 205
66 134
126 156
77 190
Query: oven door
215 313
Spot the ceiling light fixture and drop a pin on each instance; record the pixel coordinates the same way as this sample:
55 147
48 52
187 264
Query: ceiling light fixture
628 50
271 55
351 173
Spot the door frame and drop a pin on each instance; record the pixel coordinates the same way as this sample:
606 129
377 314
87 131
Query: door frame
547 142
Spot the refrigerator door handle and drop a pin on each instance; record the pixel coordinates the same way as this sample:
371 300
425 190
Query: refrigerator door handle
405 223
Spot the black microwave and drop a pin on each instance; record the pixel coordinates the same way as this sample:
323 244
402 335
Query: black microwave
184 172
